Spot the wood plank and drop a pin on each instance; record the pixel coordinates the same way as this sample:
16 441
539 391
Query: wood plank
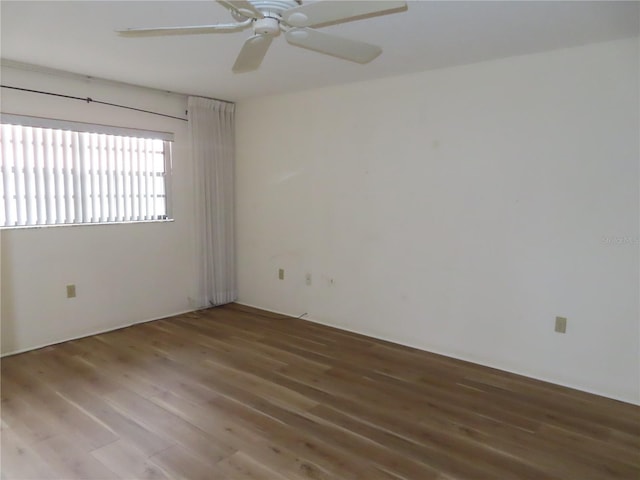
64 455
19 460
171 426
179 464
129 462
58 412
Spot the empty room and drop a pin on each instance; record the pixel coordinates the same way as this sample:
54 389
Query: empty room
320 239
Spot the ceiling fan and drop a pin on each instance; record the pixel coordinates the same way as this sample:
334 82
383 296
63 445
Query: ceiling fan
269 17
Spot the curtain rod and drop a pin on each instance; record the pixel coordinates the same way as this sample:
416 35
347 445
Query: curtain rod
5 63
91 100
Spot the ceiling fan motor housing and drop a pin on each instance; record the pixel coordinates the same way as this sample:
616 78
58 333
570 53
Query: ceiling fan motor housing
266 26
270 8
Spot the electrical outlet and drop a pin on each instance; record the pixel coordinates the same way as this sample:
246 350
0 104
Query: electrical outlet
561 325
71 291
307 279
281 273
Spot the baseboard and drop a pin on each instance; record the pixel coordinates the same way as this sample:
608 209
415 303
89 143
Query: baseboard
98 332
445 354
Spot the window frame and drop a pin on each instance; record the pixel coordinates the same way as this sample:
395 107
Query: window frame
83 127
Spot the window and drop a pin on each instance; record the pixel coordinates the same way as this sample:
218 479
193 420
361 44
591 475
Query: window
55 172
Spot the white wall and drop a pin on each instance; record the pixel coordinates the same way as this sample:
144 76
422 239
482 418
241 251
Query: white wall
459 211
123 273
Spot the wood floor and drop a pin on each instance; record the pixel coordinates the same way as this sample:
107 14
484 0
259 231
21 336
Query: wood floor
234 393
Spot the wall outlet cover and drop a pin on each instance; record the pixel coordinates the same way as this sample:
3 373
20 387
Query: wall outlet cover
561 325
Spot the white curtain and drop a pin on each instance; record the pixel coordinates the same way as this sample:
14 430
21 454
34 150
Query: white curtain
212 134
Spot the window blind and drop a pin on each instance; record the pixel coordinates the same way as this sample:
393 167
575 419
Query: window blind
68 176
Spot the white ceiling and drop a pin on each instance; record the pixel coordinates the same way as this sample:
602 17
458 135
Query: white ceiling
78 36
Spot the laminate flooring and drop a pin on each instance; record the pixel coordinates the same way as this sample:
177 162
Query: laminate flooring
235 393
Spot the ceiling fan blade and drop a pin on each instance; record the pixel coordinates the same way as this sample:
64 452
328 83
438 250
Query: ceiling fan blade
194 30
252 53
352 50
332 11
243 7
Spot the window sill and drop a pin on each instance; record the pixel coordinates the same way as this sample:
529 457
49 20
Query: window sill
97 224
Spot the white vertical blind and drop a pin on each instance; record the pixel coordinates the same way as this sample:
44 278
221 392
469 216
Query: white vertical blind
38 161
147 179
18 172
102 178
151 179
139 176
93 175
68 176
7 186
55 176
58 175
110 173
27 151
